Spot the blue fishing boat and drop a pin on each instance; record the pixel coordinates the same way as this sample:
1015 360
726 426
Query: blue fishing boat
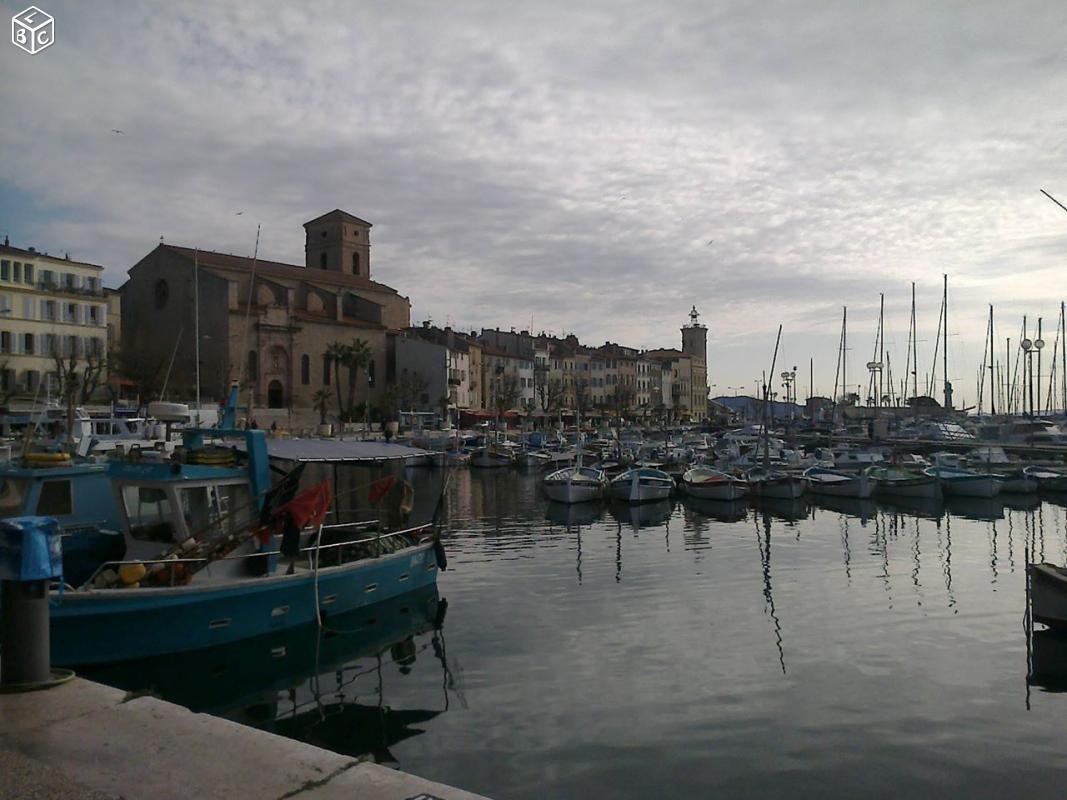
77 494
216 554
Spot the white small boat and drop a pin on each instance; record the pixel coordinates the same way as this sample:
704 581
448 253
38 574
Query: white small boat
712 484
641 484
964 482
1048 479
903 483
835 483
775 483
1048 594
575 485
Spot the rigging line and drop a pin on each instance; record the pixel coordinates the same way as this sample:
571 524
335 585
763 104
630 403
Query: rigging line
248 313
937 345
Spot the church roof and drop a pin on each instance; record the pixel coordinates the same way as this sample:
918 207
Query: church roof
275 269
343 214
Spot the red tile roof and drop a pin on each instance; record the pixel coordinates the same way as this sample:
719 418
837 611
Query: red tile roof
224 261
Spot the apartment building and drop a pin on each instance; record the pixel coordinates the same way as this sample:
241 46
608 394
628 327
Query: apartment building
49 306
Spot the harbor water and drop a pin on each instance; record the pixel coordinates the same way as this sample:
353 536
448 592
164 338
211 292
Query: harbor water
681 649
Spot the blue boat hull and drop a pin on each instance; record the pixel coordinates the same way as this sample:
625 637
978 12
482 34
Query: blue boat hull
98 627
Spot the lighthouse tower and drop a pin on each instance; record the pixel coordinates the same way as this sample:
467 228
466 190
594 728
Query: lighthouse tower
695 337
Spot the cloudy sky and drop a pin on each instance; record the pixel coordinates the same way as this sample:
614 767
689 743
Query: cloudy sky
569 163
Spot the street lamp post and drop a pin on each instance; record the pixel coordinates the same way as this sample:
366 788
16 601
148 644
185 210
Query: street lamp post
789 382
1029 348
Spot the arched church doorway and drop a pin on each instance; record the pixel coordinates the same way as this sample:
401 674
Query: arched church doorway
275 395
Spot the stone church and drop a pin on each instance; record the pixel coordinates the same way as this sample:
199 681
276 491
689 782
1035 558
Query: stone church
264 323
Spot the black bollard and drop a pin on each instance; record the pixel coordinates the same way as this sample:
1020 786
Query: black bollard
24 632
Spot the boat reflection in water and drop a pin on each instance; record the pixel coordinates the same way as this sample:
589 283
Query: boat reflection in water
301 683
983 509
1016 501
646 515
921 507
783 508
863 508
1048 665
571 515
721 510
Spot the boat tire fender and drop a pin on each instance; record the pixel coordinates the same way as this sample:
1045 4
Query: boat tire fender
439 554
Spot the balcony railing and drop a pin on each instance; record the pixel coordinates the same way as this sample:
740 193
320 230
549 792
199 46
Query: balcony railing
62 288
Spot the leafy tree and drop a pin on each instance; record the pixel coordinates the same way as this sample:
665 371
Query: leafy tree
78 379
6 391
505 392
144 365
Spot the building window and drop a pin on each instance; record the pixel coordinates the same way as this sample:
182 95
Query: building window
27 347
355 263
253 366
322 259
5 270
5 342
325 370
27 307
305 369
162 293
18 272
29 273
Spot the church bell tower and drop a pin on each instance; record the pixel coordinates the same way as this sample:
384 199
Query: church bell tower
338 242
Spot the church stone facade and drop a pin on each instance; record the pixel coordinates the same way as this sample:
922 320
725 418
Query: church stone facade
265 323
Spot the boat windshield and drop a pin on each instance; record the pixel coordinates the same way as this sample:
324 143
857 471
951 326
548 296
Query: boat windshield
12 495
220 508
150 513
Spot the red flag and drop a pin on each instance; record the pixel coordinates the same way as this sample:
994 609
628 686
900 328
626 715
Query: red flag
310 506
380 488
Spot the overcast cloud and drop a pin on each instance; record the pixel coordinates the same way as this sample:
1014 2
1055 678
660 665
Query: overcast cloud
569 162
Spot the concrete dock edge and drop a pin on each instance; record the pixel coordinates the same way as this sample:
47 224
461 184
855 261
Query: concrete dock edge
93 740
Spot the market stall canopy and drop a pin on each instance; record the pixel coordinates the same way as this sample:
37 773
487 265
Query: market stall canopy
339 451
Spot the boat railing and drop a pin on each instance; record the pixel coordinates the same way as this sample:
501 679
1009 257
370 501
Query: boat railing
313 552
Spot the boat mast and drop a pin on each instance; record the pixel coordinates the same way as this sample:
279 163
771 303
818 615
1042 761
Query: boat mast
992 384
914 356
196 327
881 348
1063 358
844 351
948 389
766 391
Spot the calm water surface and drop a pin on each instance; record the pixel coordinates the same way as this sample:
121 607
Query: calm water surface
683 650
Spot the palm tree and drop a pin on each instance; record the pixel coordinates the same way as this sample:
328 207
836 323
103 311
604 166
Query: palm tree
336 353
320 401
357 356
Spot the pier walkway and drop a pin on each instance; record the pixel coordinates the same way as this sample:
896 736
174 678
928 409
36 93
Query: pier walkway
85 740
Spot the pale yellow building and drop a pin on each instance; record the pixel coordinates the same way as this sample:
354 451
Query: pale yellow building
48 306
